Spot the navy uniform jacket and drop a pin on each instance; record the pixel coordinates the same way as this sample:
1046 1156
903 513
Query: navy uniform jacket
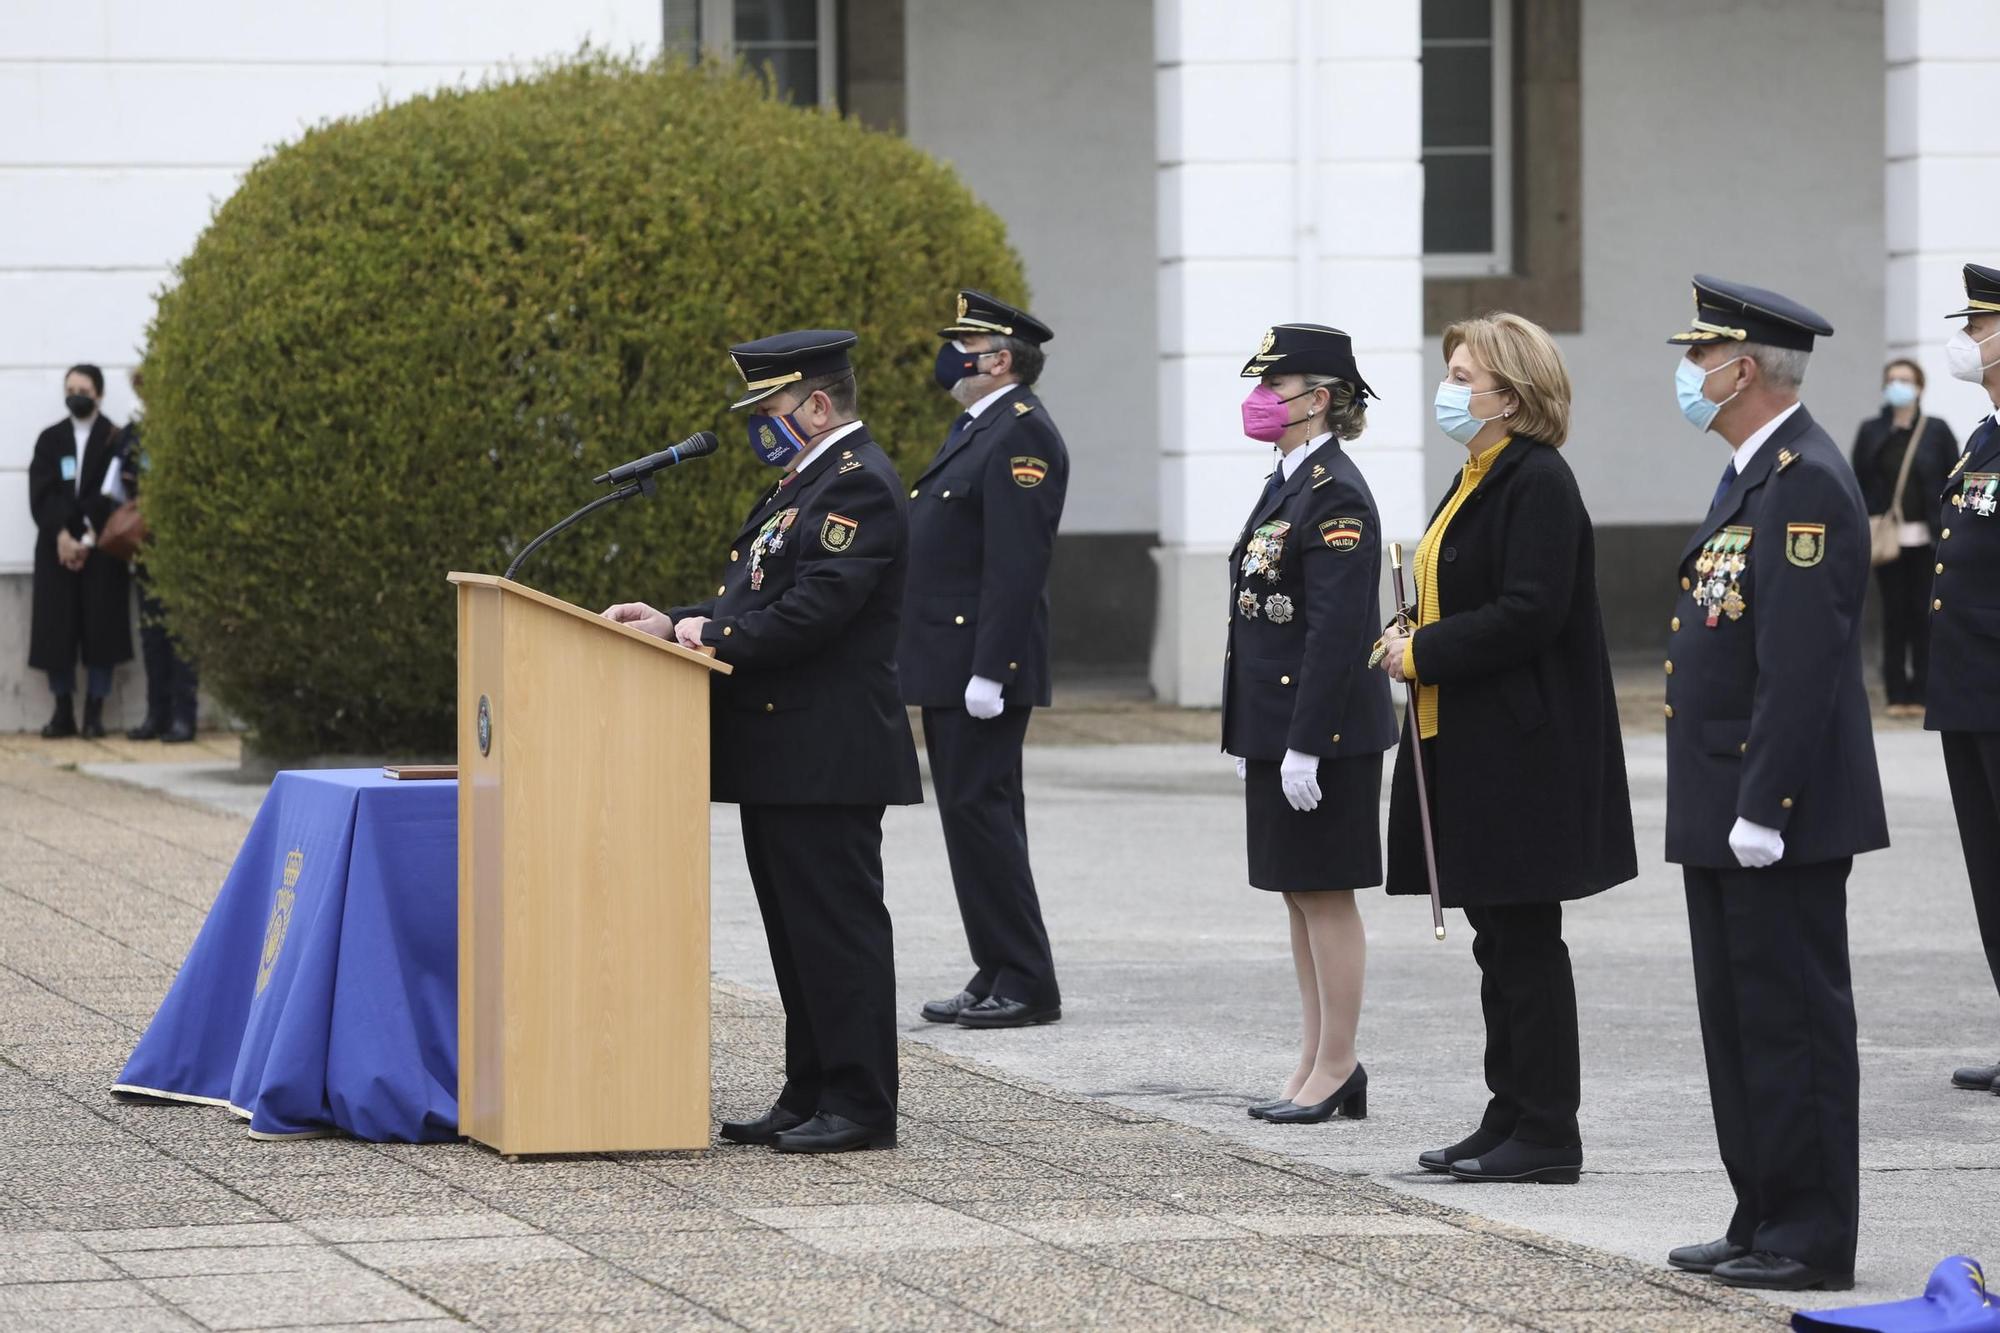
806 614
1304 613
982 523
1767 718
1963 690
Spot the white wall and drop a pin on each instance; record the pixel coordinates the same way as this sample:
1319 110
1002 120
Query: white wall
1943 181
123 122
1046 109
1742 140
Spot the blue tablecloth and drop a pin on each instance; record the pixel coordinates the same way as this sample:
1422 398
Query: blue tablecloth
322 992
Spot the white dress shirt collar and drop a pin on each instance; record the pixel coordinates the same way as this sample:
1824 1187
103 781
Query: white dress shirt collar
1748 449
831 438
991 399
1292 461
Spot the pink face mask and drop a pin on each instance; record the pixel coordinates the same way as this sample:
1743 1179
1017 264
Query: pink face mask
1265 416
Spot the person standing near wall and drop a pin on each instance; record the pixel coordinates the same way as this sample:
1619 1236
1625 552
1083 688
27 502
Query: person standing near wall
171 682
82 597
1900 458
1964 701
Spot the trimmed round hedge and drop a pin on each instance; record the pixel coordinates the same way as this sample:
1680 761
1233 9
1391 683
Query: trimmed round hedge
409 340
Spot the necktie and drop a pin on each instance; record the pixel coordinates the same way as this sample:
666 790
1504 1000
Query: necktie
1722 487
958 428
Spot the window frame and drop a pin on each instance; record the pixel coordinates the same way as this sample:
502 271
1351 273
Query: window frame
716 31
1499 261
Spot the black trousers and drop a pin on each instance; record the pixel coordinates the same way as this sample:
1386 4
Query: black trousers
817 870
1972 764
1905 584
1777 1025
170 678
1529 998
976 774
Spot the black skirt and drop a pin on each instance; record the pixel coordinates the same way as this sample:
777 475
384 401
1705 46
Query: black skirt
1336 846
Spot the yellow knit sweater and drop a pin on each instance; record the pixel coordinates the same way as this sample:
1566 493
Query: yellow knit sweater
1476 469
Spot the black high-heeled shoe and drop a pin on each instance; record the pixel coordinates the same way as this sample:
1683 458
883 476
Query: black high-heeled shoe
1258 1110
1349 1099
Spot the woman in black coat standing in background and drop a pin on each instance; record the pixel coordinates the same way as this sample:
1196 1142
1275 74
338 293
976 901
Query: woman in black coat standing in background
1516 725
83 598
1880 449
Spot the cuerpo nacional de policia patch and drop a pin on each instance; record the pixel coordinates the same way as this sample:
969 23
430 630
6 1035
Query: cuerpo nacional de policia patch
837 533
1342 534
1805 543
1028 472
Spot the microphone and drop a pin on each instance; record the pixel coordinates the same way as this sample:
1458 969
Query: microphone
699 445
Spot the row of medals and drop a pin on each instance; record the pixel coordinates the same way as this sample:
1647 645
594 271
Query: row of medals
1261 556
1720 566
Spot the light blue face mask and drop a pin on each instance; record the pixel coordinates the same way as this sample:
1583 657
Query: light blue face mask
1899 393
1453 406
1688 381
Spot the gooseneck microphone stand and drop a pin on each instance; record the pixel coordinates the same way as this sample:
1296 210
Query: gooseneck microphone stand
643 486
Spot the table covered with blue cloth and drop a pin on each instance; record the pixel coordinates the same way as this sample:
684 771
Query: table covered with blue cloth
322 993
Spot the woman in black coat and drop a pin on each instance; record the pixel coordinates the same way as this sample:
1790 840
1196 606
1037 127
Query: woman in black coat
1516 726
82 597
1879 450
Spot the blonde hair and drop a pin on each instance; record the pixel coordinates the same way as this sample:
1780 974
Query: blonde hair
1523 357
1346 409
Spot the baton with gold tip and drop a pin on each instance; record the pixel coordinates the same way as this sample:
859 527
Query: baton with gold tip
1417 749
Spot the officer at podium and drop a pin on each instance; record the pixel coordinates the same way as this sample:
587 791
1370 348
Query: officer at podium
808 735
975 647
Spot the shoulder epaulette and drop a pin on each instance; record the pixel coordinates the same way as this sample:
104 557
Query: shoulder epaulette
1022 409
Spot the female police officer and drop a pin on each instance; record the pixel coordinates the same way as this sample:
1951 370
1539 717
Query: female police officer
1304 716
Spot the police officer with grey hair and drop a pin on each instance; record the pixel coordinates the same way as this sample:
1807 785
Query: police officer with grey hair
1772 791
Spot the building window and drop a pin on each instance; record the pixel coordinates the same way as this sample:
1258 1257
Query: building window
1467 137
794 38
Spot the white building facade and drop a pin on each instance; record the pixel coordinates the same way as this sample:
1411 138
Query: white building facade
1178 175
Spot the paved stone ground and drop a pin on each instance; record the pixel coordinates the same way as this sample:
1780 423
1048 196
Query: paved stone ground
1010 1204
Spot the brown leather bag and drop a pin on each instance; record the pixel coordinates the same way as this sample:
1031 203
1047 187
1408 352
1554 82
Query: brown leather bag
1885 537
124 532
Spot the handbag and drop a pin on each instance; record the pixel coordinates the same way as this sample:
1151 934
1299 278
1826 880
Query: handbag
124 532
1885 536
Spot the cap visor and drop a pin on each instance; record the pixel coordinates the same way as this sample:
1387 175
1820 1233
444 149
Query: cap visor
757 397
1697 337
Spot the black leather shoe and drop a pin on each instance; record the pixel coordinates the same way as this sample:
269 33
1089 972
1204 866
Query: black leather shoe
1349 1099
1704 1258
93 720
827 1132
1439 1160
180 733
1774 1272
1257 1110
148 730
763 1129
62 722
947 1011
1518 1163
995 1012
1977 1078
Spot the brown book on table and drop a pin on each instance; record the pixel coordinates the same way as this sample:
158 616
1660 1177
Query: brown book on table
420 772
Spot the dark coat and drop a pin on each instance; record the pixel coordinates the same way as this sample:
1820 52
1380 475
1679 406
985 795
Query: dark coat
1767 718
1527 771
1963 690
87 612
812 714
1303 619
983 522
1877 474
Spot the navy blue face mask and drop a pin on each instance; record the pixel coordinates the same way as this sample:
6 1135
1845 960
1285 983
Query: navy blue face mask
776 440
954 365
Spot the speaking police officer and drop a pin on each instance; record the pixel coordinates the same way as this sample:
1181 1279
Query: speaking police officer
1965 630
1772 789
975 647
808 736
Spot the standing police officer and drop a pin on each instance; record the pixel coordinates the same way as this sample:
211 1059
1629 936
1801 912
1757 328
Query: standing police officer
975 649
1965 619
1771 791
808 735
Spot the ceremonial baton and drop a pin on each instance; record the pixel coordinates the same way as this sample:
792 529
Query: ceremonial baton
1417 749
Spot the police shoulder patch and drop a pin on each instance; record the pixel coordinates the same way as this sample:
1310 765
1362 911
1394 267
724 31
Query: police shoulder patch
1342 534
837 533
1028 472
1805 543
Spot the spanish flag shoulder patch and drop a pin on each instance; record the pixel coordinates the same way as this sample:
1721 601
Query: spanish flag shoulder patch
1028 472
1342 534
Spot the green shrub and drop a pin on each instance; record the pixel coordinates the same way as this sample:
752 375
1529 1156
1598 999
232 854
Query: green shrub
409 340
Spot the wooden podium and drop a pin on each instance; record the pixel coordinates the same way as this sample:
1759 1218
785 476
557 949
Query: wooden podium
583 984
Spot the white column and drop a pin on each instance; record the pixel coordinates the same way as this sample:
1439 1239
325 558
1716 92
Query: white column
1943 181
1290 188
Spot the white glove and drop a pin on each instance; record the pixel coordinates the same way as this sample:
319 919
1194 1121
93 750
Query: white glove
1299 775
1756 846
982 698
1242 767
